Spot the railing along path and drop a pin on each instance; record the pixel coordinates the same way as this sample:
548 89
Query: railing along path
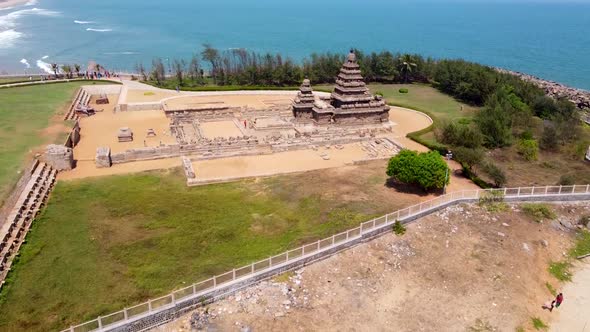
225 283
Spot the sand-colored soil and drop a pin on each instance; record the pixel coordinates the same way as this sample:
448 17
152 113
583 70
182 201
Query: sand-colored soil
461 269
407 121
220 129
142 96
276 163
236 100
574 313
102 129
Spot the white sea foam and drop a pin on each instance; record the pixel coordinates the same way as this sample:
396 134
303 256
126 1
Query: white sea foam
8 38
121 53
45 57
83 22
31 3
8 24
99 30
44 66
25 62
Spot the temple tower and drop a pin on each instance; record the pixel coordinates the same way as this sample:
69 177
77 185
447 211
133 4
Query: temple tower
303 103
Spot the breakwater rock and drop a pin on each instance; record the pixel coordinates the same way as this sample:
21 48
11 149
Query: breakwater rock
579 97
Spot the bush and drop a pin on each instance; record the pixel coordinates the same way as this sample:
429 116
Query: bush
460 135
538 324
529 149
427 170
549 140
561 270
468 157
403 90
538 211
399 228
495 173
566 180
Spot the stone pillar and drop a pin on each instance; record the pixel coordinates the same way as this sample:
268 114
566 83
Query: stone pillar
59 157
103 157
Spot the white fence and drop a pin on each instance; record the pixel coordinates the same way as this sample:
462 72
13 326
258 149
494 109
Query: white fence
207 287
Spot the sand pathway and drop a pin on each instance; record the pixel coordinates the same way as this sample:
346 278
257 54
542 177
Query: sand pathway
574 313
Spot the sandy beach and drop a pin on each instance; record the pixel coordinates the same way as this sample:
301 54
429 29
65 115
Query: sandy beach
12 3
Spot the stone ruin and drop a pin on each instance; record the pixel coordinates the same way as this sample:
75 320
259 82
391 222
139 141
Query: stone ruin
125 135
350 103
59 157
103 157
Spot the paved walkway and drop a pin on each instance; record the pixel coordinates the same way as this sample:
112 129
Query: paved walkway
574 314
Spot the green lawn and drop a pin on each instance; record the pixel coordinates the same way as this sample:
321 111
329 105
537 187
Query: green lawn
24 113
425 98
106 243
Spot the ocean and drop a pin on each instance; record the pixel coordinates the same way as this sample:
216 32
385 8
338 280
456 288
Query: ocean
549 40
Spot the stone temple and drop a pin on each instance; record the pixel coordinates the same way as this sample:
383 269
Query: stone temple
350 103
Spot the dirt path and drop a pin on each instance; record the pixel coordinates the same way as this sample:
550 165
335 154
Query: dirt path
574 314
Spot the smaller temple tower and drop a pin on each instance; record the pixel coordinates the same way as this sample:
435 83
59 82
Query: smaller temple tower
303 103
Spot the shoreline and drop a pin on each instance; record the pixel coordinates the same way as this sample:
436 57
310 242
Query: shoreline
5 4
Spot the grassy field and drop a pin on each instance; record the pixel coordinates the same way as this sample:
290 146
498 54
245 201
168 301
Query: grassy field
109 242
24 113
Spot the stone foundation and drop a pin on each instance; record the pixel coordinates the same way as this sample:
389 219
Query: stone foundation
59 157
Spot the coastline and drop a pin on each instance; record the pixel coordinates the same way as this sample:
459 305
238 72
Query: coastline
5 4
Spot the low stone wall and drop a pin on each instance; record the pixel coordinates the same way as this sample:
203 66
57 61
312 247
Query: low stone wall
74 136
160 152
10 201
114 89
149 106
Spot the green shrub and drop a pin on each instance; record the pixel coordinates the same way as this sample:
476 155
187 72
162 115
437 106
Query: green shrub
538 211
378 93
551 289
403 90
427 170
495 173
584 220
560 270
399 228
582 246
538 324
566 180
529 149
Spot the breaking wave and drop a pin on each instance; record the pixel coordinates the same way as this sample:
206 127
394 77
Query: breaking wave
25 62
8 38
83 22
121 53
44 66
99 30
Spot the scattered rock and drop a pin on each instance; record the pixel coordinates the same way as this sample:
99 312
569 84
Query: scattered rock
501 234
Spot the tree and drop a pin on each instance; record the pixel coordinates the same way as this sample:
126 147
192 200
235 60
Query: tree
67 69
495 173
211 55
77 69
158 71
55 69
427 170
468 157
139 68
494 124
179 67
529 149
406 66
194 69
549 139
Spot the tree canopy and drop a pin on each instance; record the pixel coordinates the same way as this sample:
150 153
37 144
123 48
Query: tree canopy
427 170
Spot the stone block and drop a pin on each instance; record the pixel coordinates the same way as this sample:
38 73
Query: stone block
103 157
59 157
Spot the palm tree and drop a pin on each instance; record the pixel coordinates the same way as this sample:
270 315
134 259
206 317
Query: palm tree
67 69
77 68
55 68
406 66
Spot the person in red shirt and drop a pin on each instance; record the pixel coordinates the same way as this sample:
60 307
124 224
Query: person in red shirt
558 300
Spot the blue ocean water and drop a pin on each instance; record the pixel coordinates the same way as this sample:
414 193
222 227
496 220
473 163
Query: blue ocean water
550 40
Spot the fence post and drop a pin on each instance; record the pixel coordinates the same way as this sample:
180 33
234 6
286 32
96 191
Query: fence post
149 305
99 323
125 313
234 274
287 256
560 189
505 190
587 187
518 194
574 189
71 329
333 241
252 268
546 188
173 299
318 243
533 191
214 281
194 289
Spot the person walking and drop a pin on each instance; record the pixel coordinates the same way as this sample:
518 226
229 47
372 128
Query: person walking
558 300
